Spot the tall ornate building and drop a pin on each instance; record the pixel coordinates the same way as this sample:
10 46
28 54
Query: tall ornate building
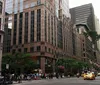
41 28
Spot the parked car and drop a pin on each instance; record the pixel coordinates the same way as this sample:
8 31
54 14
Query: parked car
1 80
5 81
98 74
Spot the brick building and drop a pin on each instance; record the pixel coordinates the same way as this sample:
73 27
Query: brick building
41 28
87 50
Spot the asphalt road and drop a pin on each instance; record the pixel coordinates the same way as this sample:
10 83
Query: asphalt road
65 81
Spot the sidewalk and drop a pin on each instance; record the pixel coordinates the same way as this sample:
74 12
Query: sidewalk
14 82
27 81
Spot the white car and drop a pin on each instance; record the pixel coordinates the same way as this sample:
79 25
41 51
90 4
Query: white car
98 74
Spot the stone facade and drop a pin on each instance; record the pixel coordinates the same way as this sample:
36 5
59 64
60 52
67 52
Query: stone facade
87 51
40 28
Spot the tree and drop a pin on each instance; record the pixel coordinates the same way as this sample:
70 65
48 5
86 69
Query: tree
18 62
93 34
72 65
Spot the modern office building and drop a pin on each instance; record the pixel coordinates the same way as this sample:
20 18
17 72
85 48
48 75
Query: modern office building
83 14
1 30
41 28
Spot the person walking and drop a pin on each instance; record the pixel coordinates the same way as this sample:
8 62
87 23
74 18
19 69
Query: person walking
57 75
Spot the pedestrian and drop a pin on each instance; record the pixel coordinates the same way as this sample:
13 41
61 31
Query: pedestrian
19 79
78 75
57 75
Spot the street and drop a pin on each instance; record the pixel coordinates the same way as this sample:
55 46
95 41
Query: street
65 81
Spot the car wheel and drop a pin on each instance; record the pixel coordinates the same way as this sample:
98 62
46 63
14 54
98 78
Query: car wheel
94 79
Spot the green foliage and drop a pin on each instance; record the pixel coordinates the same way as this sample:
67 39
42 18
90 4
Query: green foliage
93 34
18 61
72 64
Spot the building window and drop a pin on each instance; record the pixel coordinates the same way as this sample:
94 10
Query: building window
33 4
15 29
52 51
39 25
27 6
13 51
21 5
49 49
84 54
8 49
52 29
16 7
48 27
0 38
0 24
20 27
19 50
83 49
38 2
32 26
94 53
9 6
59 35
0 7
45 49
25 50
26 28
38 48
45 25
32 49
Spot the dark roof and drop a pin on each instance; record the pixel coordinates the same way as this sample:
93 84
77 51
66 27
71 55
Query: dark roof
85 25
82 5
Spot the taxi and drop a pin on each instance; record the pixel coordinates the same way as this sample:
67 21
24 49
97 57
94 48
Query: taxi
89 76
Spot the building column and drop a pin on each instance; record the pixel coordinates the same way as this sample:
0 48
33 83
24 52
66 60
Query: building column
42 64
42 25
54 61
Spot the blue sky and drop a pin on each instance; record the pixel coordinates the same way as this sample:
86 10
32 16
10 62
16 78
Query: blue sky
96 4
